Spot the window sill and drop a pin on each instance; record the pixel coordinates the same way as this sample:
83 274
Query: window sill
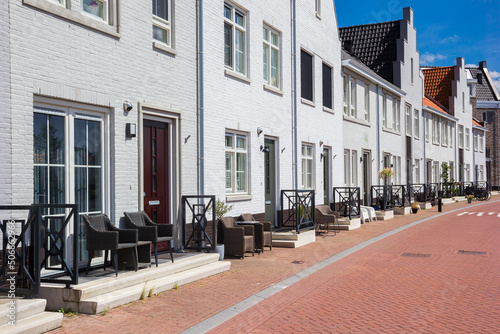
164 48
326 109
309 103
392 131
236 75
356 120
235 197
273 89
74 16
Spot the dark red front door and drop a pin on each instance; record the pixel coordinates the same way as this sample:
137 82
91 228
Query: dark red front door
156 173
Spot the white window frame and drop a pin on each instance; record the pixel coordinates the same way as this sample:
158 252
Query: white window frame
105 6
352 101
164 24
384 112
475 141
307 166
317 8
367 102
347 168
234 151
452 134
408 119
416 167
481 142
467 139
235 27
416 123
461 136
346 95
354 168
323 65
444 132
428 129
268 47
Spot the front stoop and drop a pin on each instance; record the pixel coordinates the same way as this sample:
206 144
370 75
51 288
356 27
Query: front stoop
101 290
346 225
292 239
385 215
31 317
402 211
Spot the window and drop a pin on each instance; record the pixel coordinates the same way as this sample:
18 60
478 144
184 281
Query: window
68 161
411 69
354 168
408 119
467 172
416 123
352 91
444 133
363 101
467 139
236 163
436 130
452 134
460 136
96 8
392 108
436 175
271 57
396 116
327 87
346 95
307 166
317 4
234 39
463 102
475 140
162 21
427 128
306 76
384 112
416 168
481 143
347 168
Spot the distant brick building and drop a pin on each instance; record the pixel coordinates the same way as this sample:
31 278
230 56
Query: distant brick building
488 111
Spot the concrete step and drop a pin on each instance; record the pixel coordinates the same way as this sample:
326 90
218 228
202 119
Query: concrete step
293 239
35 324
385 215
24 308
122 296
101 290
346 225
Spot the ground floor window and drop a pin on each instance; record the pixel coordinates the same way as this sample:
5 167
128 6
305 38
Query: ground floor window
236 162
307 166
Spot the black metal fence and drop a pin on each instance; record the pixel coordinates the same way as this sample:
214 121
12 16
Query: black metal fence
297 209
347 201
199 226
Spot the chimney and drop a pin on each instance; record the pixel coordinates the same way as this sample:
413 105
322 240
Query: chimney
482 64
480 78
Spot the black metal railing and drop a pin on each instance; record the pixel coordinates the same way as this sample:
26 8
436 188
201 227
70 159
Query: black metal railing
198 229
59 265
297 209
347 201
20 260
416 192
382 197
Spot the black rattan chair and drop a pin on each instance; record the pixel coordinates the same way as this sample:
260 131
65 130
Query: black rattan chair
102 235
150 231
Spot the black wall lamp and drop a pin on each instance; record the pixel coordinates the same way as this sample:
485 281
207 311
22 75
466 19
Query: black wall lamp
264 149
130 130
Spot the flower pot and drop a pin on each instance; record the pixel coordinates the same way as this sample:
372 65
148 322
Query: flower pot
219 248
469 200
414 210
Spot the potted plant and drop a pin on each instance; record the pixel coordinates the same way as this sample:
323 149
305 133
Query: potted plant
386 174
469 198
414 207
221 208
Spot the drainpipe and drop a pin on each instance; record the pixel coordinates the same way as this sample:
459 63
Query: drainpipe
294 95
201 106
378 130
424 167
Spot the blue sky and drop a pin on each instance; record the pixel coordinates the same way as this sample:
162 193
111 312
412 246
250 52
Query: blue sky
445 29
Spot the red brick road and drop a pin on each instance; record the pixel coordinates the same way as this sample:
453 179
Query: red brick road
377 290
372 290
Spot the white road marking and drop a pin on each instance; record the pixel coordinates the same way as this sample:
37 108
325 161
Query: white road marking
463 213
480 214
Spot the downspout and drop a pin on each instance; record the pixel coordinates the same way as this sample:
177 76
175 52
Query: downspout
201 106
294 95
424 167
378 130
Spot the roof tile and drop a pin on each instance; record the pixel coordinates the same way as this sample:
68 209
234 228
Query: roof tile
437 84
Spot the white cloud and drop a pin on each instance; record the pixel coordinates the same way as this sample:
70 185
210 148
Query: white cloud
429 58
451 39
472 65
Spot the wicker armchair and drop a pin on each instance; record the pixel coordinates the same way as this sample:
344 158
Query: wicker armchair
102 235
237 239
150 231
263 233
326 217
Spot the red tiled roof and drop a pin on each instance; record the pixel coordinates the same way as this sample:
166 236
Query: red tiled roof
437 84
428 101
474 122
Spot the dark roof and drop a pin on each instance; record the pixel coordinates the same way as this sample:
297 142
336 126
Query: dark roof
437 84
484 91
373 44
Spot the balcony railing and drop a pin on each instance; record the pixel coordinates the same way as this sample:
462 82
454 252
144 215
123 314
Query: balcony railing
297 209
198 222
347 201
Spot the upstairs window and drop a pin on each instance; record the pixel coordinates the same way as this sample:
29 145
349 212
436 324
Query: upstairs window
416 123
162 21
271 57
235 52
306 76
460 136
408 119
327 87
96 8
467 139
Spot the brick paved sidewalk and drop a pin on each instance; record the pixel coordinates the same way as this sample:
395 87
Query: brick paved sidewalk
176 310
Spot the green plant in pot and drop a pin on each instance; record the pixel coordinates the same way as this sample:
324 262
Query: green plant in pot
469 198
415 207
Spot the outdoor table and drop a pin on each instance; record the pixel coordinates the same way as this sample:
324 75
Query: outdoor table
143 255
